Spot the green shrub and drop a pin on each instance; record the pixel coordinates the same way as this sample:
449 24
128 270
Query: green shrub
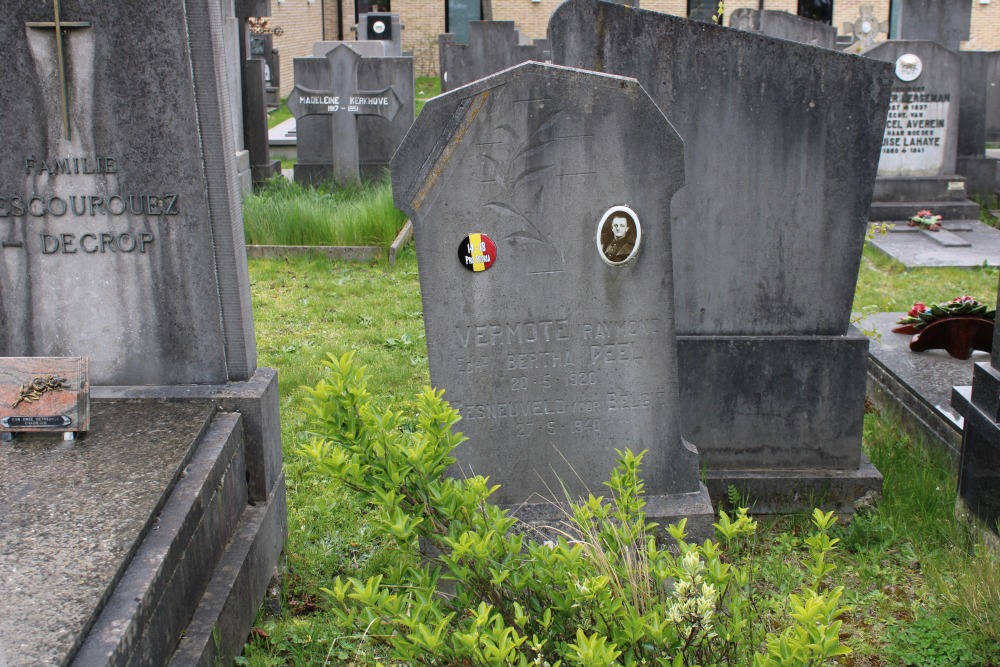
602 593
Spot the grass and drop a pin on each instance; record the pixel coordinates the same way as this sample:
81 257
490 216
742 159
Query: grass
279 115
427 87
286 213
921 591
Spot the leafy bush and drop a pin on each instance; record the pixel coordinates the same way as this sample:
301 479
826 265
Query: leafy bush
603 593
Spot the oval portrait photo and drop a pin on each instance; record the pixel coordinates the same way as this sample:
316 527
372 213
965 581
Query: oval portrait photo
618 235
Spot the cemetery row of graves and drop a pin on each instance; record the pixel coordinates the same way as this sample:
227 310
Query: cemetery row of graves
649 279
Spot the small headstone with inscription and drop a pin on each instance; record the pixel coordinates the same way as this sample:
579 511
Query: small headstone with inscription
379 137
544 245
121 241
326 102
917 168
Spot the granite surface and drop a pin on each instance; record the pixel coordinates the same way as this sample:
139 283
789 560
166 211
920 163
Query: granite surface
914 248
492 46
929 375
73 513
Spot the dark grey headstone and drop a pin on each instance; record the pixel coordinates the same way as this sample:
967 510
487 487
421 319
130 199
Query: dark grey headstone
980 90
921 132
156 296
553 356
780 162
943 21
493 46
327 101
784 26
767 232
378 139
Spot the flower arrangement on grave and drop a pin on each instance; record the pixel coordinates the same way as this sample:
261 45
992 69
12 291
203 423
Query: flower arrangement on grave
926 220
920 315
959 326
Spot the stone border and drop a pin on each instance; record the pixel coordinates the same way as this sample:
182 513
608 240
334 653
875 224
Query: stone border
344 253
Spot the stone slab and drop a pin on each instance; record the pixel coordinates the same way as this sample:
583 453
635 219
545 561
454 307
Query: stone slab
367 49
916 250
979 92
255 400
916 387
149 114
945 238
152 603
779 124
787 402
554 355
72 515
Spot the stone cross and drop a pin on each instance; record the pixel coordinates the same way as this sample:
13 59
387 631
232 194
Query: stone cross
343 103
59 25
866 27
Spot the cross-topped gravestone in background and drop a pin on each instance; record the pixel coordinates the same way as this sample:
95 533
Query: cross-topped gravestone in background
551 330
326 104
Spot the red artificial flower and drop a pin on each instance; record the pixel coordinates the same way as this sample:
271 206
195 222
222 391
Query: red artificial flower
963 299
924 214
917 308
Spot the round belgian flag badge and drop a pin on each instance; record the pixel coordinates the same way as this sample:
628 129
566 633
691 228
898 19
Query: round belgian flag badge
477 252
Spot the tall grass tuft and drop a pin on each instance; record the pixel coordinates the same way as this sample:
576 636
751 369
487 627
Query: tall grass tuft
286 213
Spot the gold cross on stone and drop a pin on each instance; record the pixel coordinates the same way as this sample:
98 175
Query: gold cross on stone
59 25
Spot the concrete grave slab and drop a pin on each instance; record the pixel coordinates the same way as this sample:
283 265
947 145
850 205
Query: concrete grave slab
916 387
976 244
544 249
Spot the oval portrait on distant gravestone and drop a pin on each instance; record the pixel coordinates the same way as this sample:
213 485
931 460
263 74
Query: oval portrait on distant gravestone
379 27
618 235
908 67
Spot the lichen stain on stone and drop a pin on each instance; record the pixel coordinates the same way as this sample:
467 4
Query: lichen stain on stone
446 154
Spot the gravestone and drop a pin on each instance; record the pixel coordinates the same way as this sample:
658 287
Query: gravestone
864 30
917 165
121 240
979 469
232 35
551 329
378 138
980 90
262 46
493 46
784 26
382 27
767 237
255 95
326 103
943 21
